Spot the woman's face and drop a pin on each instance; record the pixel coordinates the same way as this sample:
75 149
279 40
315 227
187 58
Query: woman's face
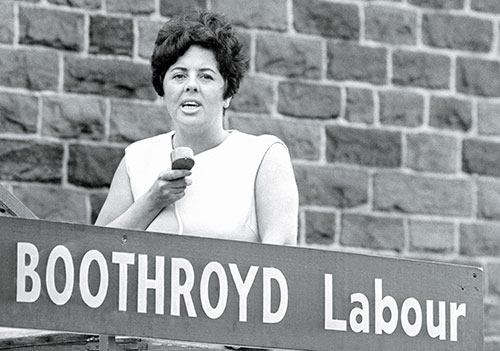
194 90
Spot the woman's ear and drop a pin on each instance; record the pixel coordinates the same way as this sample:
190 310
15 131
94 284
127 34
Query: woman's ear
227 102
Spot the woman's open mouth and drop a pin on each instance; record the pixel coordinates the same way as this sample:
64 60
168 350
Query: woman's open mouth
190 106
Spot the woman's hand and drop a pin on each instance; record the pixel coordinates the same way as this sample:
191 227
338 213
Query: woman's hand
169 187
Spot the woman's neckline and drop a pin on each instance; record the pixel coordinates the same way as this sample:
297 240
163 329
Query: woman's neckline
230 132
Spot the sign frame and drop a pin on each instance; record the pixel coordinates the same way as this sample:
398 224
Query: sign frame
313 277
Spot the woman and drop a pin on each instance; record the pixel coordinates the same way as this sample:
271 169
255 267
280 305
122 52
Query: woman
242 187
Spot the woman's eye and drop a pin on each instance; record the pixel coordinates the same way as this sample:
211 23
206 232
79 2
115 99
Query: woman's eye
178 76
206 77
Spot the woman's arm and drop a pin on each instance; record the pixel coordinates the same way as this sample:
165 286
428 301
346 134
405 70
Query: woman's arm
277 198
120 210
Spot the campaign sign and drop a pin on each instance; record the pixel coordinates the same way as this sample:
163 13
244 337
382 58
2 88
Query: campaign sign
90 279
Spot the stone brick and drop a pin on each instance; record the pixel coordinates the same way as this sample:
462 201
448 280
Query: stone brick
320 227
131 6
492 6
481 157
57 29
457 32
493 279
421 69
432 153
291 57
359 105
263 14
326 19
96 202
30 161
438 237
491 320
18 113
488 199
307 100
148 31
118 78
125 126
331 186
256 94
92 166
302 139
478 239
439 4
390 25
73 117
86 4
54 204
32 70
375 148
401 108
109 35
6 23
474 77
348 61
372 232
488 121
170 8
408 193
450 113
491 345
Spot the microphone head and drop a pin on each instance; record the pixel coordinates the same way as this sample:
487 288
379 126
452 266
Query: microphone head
182 158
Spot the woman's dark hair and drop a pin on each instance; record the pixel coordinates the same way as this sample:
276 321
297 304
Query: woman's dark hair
208 30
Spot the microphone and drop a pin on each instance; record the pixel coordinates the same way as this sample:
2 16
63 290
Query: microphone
182 158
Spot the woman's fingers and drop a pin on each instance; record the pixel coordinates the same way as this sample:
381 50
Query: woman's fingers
173 183
181 183
174 174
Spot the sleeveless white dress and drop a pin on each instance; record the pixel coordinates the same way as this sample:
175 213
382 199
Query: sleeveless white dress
220 203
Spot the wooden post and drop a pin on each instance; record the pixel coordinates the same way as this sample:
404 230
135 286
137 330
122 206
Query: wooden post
11 206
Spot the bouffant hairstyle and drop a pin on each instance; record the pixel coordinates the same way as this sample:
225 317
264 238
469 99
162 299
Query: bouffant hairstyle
208 30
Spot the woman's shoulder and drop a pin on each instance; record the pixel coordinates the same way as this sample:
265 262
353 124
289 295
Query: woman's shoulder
158 141
263 140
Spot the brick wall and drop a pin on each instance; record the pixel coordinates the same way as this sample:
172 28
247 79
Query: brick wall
390 109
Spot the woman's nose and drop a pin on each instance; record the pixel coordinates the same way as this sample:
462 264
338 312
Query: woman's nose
191 84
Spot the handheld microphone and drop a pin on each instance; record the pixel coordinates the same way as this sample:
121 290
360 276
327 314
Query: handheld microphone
182 158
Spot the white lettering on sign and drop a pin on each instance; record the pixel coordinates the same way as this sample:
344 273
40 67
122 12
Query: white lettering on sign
410 317
60 252
438 330
123 259
210 269
182 282
176 289
24 251
271 274
243 287
87 297
157 284
381 314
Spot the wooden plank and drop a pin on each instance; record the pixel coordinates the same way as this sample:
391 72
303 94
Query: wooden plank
72 277
12 206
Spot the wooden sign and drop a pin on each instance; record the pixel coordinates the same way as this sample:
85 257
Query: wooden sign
89 279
